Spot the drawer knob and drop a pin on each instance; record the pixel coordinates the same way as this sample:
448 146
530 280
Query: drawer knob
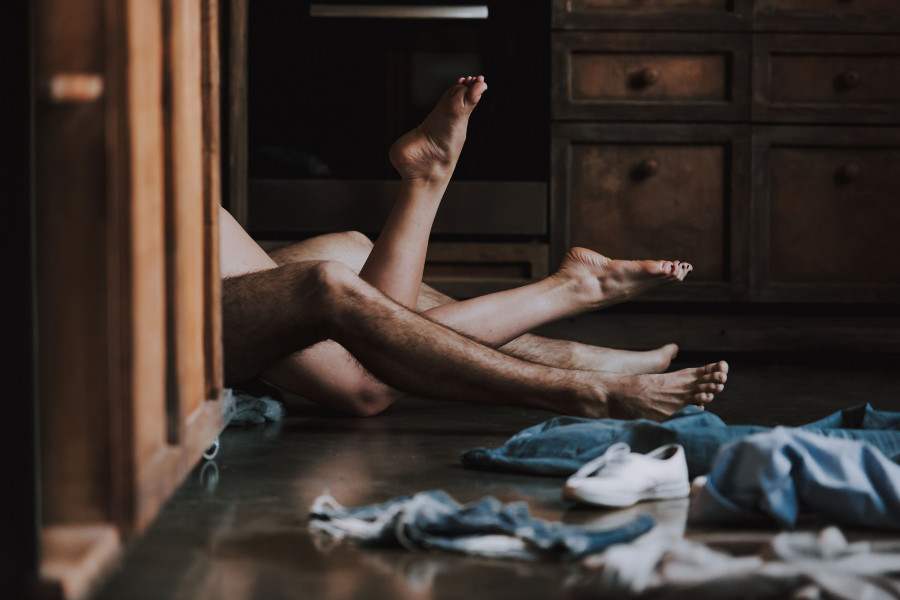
64 88
645 77
646 169
847 80
848 173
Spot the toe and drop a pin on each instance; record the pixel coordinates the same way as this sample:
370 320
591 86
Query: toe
703 397
711 387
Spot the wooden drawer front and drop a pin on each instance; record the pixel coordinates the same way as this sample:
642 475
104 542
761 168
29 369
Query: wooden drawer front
651 14
827 15
831 215
836 78
661 199
598 77
468 269
678 212
627 76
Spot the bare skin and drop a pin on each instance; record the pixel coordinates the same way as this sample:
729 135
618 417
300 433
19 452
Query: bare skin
425 157
308 302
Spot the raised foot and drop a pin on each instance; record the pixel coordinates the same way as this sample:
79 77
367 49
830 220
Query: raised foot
657 396
604 281
430 151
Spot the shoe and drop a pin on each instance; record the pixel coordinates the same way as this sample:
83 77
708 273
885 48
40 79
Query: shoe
621 477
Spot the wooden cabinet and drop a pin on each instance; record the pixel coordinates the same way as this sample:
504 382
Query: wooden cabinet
827 214
826 78
650 76
652 191
807 216
129 367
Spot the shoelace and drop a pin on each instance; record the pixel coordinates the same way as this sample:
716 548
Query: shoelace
614 455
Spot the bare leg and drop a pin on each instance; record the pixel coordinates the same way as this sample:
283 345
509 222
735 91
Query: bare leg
425 158
567 354
327 373
309 302
352 249
585 281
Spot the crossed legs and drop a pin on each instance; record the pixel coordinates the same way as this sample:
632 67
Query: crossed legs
325 372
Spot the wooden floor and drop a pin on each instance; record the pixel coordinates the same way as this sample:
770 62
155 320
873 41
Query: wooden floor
237 527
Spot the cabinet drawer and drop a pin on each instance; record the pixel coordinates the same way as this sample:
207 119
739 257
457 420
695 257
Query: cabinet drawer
467 269
657 192
829 214
827 15
700 15
834 78
628 76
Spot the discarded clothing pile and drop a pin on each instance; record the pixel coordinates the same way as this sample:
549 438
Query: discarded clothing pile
562 445
256 402
435 521
836 468
786 471
795 565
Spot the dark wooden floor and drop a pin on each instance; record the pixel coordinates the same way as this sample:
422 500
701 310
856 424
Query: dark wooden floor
237 527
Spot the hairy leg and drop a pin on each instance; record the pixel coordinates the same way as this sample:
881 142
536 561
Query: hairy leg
326 373
312 301
567 354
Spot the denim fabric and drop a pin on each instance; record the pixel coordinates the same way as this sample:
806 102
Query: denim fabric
785 471
561 445
435 521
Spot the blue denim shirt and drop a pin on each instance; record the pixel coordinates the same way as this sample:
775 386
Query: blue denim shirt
783 472
561 445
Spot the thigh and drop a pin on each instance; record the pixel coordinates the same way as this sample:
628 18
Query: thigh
349 247
240 254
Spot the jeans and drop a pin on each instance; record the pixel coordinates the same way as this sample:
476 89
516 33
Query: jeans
435 521
561 445
785 471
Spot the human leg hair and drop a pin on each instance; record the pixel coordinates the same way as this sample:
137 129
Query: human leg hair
567 354
312 301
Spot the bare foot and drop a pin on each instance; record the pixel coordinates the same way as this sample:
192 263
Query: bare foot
657 396
624 362
429 152
604 281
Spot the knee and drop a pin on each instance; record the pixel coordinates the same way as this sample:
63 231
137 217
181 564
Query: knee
331 280
356 241
317 287
354 248
369 399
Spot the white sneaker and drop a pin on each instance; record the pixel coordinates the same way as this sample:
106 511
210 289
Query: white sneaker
621 478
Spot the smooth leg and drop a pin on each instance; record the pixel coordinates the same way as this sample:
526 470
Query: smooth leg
425 158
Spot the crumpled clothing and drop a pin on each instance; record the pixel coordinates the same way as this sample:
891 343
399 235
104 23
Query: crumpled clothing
561 445
784 472
255 410
795 565
434 521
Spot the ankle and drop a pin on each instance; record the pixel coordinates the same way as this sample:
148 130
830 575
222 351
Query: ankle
590 397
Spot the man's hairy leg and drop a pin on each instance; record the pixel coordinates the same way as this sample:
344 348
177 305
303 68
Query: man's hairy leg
312 301
567 354
327 374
